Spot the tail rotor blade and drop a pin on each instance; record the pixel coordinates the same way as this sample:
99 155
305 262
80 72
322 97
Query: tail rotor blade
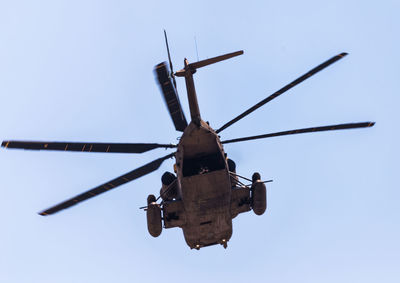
171 97
130 176
170 61
169 91
284 89
305 130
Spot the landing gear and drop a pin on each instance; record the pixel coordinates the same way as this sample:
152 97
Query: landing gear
168 190
259 195
231 165
167 178
153 214
233 177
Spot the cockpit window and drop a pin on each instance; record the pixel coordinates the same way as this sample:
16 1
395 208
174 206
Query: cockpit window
203 164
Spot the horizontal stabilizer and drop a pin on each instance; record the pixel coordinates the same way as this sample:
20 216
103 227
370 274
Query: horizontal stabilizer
213 60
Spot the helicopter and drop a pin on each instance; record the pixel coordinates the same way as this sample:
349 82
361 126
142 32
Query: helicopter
204 193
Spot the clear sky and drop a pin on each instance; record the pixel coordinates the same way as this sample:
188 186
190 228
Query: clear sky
83 71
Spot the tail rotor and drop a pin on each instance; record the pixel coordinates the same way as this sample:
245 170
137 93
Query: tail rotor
166 79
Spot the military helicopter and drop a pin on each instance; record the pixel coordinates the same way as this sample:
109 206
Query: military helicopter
204 193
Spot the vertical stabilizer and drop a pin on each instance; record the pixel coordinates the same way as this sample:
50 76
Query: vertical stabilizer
188 71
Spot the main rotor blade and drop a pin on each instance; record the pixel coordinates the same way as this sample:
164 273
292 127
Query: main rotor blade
86 147
305 130
284 89
130 176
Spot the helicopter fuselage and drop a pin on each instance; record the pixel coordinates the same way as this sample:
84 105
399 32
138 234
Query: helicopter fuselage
205 206
204 186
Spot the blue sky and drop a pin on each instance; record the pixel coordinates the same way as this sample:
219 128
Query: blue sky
83 71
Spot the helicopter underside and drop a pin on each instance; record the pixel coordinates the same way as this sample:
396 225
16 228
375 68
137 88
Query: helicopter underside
206 214
207 206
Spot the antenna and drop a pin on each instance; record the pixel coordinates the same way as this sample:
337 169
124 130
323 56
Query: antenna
197 51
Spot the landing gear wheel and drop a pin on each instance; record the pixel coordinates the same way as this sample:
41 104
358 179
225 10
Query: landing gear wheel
167 178
224 243
150 199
